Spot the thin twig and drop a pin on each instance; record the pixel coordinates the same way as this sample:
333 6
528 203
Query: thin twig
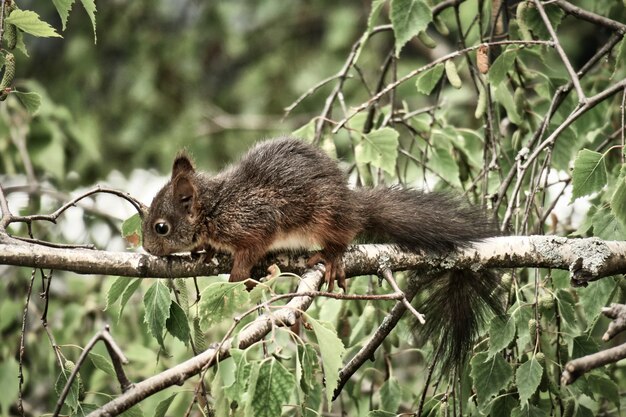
568 66
117 357
20 376
591 17
388 275
426 67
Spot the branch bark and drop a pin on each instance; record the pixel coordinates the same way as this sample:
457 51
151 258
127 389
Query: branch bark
587 259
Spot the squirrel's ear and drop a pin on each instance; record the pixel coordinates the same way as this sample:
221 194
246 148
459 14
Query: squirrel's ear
182 165
184 192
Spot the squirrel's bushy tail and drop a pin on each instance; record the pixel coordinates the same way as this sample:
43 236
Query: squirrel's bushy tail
432 222
457 302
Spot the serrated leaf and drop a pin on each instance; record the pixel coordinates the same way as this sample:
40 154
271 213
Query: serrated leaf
71 400
501 66
131 230
90 7
198 336
535 22
377 5
220 300
527 378
408 18
606 226
426 81
332 351
29 22
501 333
116 290
31 101
157 303
237 389
308 363
390 395
490 375
162 407
306 132
128 292
379 148
102 363
589 173
274 385
177 323
566 307
63 9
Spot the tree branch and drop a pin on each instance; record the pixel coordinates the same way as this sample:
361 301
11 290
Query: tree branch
586 259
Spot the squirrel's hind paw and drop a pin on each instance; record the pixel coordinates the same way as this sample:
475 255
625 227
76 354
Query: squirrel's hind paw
334 270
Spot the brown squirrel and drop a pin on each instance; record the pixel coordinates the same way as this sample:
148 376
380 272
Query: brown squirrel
285 193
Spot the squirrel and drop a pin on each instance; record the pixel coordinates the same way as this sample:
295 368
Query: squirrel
286 194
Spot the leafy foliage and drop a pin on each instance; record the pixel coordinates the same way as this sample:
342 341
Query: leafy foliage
214 76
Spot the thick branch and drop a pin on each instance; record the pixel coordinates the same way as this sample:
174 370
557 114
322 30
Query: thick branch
587 259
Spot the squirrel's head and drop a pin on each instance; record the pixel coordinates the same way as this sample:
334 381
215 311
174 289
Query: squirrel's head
169 225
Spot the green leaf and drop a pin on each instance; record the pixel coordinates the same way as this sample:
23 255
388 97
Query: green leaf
501 333
503 95
220 300
237 389
128 292
72 399
618 201
408 18
503 405
177 323
443 163
162 407
584 345
131 230
501 66
527 378
274 385
90 7
29 22
31 101
380 413
8 383
102 363
198 336
530 411
426 81
379 148
589 173
606 226
116 290
595 296
157 303
620 57
308 363
377 5
535 22
604 387
332 351
390 395
490 375
134 411
63 9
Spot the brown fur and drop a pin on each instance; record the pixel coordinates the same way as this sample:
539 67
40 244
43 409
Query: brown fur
284 191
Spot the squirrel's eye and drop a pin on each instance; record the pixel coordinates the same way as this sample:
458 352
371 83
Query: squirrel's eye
161 228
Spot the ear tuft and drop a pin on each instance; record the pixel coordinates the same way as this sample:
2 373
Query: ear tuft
182 164
184 192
